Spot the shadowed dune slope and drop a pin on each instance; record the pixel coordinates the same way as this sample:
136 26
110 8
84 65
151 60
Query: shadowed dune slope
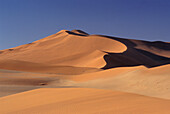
81 101
149 54
156 47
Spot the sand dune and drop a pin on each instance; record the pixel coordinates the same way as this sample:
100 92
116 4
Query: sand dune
79 49
65 46
150 82
75 72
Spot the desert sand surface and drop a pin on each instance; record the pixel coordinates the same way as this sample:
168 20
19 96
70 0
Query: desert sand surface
81 101
75 72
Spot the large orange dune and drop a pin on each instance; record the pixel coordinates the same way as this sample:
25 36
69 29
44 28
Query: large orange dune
66 48
75 72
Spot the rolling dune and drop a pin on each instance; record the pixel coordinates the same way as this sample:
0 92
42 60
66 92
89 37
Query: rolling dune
152 82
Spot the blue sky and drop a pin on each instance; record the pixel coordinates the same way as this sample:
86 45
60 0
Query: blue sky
24 21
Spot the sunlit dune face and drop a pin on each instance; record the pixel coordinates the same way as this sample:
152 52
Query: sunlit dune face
67 49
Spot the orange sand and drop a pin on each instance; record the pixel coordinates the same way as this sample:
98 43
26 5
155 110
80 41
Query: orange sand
81 101
74 72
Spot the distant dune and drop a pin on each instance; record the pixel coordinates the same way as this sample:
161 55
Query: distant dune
75 72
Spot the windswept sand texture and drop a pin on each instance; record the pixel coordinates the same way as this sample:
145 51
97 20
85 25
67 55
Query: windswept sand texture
74 72
81 101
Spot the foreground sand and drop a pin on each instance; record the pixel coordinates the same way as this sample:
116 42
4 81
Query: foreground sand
81 101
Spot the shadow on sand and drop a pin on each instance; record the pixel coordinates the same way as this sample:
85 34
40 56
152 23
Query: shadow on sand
135 57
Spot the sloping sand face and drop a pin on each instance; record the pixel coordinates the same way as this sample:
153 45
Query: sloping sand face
81 101
66 49
64 67
154 82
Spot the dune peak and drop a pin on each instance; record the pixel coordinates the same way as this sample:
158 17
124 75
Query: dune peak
73 32
79 32
62 30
